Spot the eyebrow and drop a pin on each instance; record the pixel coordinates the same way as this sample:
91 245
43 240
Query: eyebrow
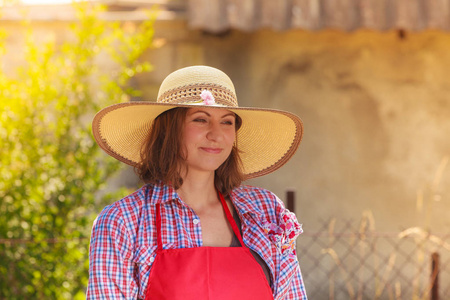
209 115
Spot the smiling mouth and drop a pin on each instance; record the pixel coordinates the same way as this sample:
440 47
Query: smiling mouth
212 150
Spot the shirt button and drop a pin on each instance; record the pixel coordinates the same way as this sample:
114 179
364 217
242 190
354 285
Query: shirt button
152 259
196 221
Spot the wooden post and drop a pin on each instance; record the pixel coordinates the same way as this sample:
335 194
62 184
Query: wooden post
290 195
434 276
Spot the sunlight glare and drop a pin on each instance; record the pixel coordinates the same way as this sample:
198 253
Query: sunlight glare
39 2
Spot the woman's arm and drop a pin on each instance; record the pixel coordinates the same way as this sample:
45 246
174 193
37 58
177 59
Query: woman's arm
296 289
291 229
110 266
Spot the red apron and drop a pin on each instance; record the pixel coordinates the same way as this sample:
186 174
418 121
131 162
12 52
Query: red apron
209 273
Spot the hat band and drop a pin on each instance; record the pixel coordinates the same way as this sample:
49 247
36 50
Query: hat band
191 94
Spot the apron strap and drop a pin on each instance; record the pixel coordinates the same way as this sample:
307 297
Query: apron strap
231 220
158 225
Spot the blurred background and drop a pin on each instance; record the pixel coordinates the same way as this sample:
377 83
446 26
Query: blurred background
369 78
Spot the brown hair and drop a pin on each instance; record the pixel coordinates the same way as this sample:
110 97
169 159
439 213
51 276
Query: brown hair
162 154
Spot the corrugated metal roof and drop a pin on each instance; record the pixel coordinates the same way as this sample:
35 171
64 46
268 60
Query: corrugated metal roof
348 15
249 15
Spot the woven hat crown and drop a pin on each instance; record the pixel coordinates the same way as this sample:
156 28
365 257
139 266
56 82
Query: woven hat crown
185 85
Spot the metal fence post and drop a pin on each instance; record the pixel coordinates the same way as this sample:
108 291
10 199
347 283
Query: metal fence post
290 195
434 276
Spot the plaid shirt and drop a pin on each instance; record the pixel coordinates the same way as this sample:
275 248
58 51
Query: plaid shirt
123 240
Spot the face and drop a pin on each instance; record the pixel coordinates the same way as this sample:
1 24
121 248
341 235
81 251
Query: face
208 137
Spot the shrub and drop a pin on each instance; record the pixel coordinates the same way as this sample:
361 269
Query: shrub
50 168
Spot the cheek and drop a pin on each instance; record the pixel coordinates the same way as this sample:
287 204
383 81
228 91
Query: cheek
231 137
190 136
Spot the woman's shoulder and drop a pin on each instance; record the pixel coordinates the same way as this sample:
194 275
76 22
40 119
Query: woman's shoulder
133 199
129 207
260 201
115 210
254 192
256 200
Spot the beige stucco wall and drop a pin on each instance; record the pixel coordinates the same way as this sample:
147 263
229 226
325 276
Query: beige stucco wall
375 106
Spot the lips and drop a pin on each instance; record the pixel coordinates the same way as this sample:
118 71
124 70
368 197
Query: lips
211 150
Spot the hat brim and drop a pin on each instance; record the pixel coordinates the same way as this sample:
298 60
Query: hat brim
266 140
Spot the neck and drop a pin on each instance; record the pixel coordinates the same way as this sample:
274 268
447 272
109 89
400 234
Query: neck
198 190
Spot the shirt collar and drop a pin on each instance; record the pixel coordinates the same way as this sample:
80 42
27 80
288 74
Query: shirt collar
163 193
244 202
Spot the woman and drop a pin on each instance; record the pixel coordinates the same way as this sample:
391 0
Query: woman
193 232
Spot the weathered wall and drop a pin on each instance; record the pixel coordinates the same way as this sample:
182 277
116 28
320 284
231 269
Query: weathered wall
375 107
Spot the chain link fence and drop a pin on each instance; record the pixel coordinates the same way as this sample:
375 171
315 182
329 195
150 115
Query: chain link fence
350 260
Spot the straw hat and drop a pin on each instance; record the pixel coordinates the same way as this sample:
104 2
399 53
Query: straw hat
267 138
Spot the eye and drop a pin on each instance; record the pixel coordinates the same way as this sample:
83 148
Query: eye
228 122
200 120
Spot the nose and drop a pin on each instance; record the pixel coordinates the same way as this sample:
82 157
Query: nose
214 132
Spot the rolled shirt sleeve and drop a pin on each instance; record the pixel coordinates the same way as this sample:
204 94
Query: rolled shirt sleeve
296 290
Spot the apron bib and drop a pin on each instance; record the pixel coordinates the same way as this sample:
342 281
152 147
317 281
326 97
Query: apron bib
210 273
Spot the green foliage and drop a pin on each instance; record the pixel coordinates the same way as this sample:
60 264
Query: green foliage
51 170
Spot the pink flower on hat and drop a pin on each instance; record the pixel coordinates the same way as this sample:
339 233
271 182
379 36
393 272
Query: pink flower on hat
208 98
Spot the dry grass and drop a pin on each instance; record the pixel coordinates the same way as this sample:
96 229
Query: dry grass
355 262
364 241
